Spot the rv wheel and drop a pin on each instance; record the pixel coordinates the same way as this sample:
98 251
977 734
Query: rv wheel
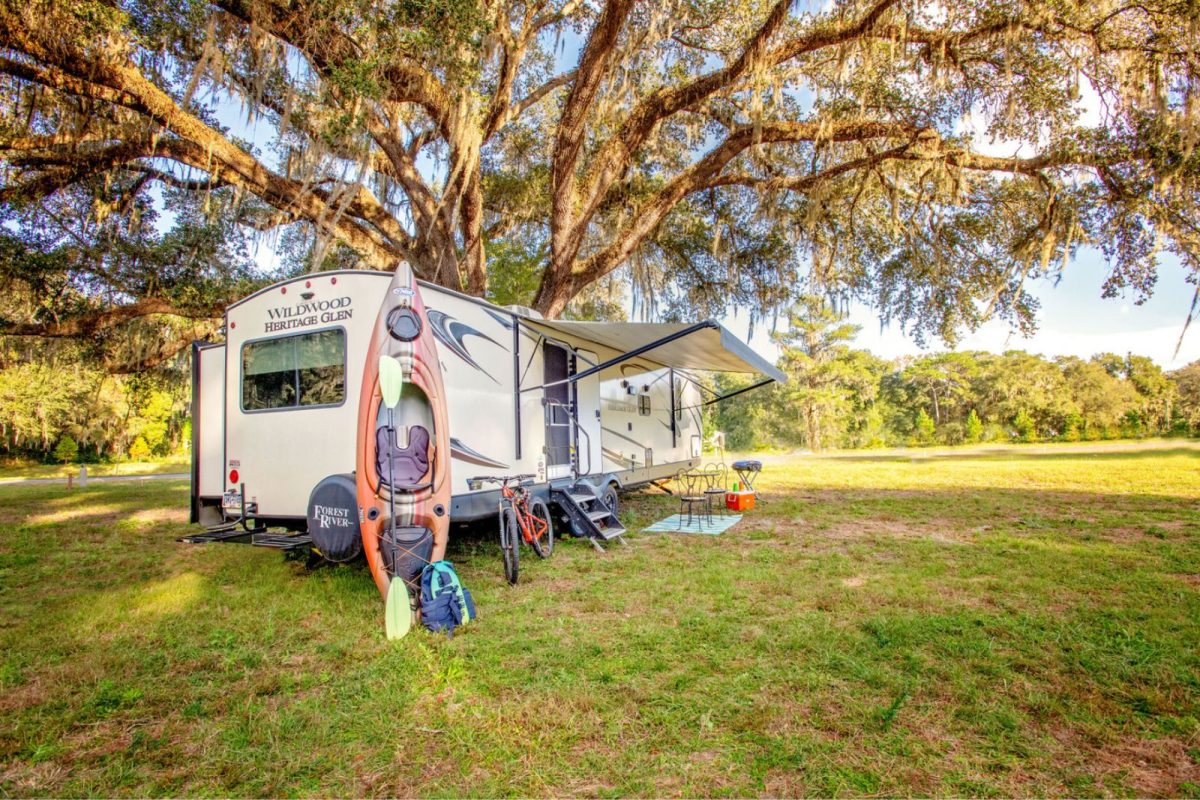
610 499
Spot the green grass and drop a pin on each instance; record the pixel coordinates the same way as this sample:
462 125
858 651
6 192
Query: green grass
167 464
977 624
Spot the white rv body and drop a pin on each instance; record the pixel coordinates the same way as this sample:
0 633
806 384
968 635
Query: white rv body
514 403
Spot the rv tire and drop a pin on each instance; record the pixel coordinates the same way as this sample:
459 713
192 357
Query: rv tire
610 498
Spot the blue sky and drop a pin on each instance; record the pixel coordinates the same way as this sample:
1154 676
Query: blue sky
1074 320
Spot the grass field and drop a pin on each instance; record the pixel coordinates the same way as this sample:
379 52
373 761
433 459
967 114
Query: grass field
1016 623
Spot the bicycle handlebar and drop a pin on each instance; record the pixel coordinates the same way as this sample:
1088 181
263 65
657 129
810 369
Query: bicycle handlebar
500 479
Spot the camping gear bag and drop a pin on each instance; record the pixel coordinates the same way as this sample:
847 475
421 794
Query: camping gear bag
445 602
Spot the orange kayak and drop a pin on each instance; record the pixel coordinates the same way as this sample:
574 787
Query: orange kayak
403 462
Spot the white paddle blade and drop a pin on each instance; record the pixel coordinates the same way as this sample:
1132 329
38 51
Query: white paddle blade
397 610
391 380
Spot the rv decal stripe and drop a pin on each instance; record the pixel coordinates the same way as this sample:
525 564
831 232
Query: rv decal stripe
464 453
617 458
451 333
505 321
620 435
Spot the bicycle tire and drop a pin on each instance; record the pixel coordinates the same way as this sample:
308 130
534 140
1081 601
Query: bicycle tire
510 547
545 546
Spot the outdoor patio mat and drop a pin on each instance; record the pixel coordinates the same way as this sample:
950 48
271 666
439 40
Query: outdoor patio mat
699 524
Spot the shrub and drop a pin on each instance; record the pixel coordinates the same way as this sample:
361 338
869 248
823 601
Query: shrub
67 450
952 433
974 427
1026 428
925 428
139 450
1074 425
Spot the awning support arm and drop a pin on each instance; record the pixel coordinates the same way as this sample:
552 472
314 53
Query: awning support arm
744 389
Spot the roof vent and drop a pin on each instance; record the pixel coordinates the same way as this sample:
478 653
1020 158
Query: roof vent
524 311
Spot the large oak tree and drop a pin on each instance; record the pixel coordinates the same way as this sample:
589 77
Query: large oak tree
712 152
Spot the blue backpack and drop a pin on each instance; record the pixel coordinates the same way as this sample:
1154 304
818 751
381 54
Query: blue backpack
445 602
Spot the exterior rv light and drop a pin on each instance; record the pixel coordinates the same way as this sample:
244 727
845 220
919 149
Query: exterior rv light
233 476
333 281
283 289
308 284
404 324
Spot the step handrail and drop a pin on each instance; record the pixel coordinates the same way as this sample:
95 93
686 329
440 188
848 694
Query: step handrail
566 407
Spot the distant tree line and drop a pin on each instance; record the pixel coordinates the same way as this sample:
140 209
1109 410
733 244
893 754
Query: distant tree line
59 403
57 406
841 397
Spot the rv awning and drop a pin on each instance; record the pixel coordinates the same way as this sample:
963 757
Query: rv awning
702 345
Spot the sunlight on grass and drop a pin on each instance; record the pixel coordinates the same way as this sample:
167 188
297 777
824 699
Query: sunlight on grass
169 596
79 509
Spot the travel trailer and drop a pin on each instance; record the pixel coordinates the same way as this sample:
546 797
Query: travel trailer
589 408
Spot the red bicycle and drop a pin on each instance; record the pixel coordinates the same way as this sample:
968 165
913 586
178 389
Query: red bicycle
524 514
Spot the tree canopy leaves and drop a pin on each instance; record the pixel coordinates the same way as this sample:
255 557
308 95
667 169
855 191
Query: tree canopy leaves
710 154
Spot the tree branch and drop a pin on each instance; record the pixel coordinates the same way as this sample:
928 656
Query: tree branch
615 155
88 325
198 145
533 98
301 25
593 65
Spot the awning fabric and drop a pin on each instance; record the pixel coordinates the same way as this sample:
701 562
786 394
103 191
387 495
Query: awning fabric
701 346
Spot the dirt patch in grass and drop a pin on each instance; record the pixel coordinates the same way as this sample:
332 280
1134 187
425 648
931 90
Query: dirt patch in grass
28 778
839 535
1151 767
32 693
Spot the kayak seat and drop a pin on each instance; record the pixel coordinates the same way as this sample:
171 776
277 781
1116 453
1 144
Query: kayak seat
407 466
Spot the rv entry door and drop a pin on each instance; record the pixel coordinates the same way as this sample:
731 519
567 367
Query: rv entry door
556 366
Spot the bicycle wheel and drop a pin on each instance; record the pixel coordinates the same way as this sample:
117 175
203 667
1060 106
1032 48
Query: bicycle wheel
510 537
544 545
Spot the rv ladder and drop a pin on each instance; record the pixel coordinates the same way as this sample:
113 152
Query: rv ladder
587 513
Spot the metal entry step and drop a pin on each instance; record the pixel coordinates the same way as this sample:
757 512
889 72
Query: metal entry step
588 515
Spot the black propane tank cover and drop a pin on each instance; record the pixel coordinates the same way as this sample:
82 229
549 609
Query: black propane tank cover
333 518
404 324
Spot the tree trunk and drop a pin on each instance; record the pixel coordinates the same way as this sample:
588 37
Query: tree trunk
553 296
814 427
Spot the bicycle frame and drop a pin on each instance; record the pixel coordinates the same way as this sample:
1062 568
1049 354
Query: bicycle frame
531 527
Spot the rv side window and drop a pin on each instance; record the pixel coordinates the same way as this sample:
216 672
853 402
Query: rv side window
308 369
678 389
644 405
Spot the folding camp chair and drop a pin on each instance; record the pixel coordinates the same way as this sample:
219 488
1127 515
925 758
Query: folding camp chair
691 496
717 484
